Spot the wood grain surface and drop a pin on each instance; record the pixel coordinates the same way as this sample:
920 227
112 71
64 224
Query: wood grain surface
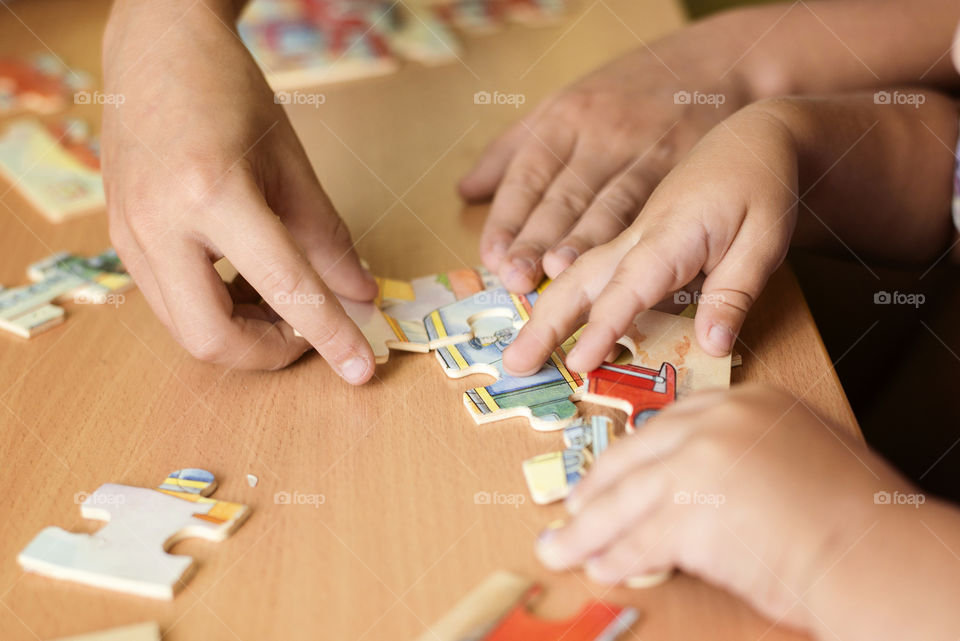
397 463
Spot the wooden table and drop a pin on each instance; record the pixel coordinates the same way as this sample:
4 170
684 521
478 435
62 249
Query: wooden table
109 397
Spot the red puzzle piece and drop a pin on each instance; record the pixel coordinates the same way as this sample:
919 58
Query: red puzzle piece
639 391
596 621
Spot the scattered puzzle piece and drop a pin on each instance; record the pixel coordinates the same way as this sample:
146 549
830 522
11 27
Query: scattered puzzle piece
26 311
41 83
419 35
252 480
128 554
477 330
192 481
307 42
96 278
498 610
50 170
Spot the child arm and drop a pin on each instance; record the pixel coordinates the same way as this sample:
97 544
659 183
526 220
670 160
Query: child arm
875 177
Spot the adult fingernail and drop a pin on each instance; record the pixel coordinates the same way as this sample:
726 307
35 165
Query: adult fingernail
567 254
721 338
354 369
520 268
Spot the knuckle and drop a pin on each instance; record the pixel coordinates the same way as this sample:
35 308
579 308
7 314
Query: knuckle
212 347
569 203
283 281
528 178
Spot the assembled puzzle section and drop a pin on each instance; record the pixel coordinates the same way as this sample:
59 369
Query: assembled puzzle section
499 610
56 169
478 329
128 554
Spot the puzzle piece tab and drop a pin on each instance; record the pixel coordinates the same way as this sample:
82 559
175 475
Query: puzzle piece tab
477 330
128 554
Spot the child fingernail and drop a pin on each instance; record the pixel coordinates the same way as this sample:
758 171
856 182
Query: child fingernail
721 338
354 369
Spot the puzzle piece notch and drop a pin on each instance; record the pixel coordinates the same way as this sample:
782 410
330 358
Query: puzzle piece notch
477 330
129 554
499 610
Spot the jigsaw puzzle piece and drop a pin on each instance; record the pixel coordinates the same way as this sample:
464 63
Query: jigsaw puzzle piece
498 610
299 43
27 310
406 304
41 83
474 332
535 12
476 17
190 480
96 278
128 554
550 477
639 391
419 35
656 337
57 181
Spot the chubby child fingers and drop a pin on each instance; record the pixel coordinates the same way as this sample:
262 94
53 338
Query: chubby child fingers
561 308
734 284
662 261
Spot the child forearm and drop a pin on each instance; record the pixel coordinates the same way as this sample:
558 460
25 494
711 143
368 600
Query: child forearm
874 178
824 47
900 579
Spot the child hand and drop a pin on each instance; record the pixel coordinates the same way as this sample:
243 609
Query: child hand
576 171
727 210
747 489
